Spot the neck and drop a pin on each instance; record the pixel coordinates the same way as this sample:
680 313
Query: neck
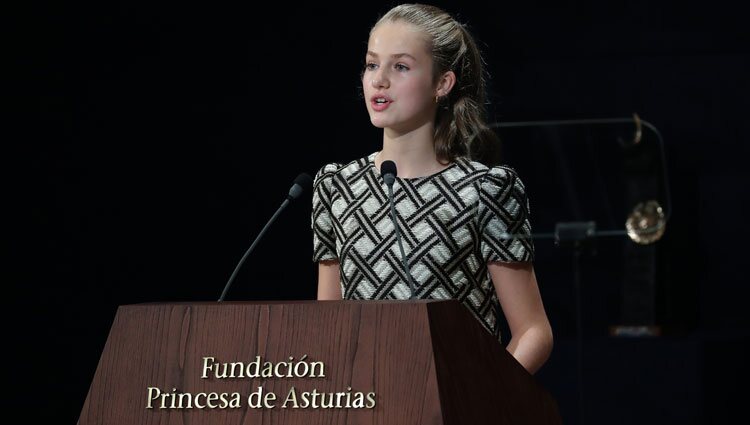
413 153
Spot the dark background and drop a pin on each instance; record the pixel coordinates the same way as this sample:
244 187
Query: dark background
149 143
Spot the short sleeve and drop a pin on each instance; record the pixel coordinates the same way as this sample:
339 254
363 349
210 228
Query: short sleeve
324 236
503 217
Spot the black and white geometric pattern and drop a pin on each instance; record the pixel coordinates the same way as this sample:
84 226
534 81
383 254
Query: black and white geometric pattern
452 224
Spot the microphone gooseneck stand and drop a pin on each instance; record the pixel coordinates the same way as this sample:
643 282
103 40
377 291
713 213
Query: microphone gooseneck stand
388 170
301 183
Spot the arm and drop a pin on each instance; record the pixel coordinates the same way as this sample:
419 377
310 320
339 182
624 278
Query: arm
518 293
329 280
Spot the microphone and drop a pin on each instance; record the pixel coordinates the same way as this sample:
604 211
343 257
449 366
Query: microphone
388 171
301 183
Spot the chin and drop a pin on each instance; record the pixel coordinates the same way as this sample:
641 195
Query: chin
377 123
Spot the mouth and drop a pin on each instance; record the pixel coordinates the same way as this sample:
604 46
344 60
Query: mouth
380 102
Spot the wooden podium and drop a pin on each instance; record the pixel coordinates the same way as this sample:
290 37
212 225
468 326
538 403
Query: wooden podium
309 362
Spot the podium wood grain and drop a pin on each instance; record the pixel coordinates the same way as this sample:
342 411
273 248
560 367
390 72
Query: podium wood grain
428 362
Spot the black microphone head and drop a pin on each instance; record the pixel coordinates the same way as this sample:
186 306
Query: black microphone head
388 171
304 180
302 183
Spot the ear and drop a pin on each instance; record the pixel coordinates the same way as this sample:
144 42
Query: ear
445 83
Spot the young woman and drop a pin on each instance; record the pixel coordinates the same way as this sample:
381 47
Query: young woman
464 225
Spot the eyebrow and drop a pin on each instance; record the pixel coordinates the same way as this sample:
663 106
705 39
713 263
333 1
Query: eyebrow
395 55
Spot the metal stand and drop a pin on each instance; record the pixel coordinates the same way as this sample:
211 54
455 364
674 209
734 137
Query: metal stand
578 235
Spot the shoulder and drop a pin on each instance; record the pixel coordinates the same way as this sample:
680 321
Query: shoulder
466 172
328 172
501 183
502 176
487 176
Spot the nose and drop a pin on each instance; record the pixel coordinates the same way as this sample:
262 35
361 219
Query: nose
380 80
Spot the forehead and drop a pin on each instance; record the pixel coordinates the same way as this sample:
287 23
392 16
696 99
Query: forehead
389 38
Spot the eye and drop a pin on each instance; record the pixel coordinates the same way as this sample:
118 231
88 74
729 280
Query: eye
371 66
401 67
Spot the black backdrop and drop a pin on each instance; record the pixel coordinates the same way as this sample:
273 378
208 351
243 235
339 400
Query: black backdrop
149 142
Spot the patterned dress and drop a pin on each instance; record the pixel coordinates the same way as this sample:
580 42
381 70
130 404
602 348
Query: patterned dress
452 223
